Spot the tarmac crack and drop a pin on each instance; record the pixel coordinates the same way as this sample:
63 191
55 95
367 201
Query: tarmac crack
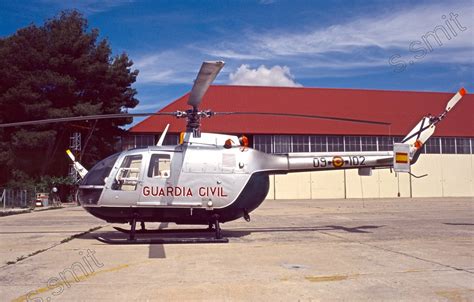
401 253
23 257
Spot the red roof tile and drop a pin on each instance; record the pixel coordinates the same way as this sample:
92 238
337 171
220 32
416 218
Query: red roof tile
402 108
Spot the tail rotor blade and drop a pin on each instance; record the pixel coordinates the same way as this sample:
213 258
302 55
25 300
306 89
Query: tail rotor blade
205 77
455 99
71 156
77 165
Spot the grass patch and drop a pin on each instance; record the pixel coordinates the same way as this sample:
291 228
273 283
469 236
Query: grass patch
22 257
8 213
37 252
29 210
49 208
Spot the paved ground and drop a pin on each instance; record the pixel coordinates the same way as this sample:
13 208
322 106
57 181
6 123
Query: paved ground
344 250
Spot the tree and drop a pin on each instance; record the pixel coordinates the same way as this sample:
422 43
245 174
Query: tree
59 69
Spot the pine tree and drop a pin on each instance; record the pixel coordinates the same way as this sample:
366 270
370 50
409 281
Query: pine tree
59 69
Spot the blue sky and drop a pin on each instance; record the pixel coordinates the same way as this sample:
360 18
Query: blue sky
342 44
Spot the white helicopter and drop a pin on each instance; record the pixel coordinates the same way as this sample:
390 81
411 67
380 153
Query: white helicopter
208 178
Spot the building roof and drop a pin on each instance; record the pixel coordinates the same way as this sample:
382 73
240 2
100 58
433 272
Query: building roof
403 109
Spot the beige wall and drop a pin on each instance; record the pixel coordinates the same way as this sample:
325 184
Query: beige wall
449 175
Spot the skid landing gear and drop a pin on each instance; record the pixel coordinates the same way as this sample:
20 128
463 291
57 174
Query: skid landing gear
217 227
164 231
214 226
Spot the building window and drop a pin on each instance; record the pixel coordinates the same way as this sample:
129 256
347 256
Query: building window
448 145
369 143
398 139
171 140
300 143
385 143
432 146
335 143
137 141
128 142
282 143
144 140
319 144
352 143
463 145
263 143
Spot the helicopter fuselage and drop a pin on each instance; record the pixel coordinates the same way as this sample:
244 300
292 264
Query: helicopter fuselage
202 177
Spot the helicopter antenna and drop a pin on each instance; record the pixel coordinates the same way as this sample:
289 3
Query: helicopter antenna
162 137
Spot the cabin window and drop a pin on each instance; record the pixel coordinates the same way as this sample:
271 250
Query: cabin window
160 166
129 173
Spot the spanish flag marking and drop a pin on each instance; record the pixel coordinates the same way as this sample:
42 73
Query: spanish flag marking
401 158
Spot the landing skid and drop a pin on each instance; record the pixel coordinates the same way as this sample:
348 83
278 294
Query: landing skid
162 240
164 231
213 227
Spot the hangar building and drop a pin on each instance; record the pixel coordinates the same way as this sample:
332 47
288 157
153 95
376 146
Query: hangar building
447 160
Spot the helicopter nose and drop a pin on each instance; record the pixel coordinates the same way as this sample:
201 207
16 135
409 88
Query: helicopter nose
93 183
89 194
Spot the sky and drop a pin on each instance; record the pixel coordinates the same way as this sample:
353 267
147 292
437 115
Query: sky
388 45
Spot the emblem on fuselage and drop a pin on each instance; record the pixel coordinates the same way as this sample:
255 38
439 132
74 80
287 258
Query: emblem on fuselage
337 161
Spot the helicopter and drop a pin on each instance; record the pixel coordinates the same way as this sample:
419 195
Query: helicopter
209 178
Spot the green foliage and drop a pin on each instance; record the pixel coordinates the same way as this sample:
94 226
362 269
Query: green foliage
46 183
59 69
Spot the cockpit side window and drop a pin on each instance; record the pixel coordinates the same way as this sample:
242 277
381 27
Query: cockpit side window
160 166
128 174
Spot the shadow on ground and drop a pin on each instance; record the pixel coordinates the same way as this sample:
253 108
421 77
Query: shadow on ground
229 233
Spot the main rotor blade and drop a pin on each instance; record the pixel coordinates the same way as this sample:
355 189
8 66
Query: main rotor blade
83 118
342 119
205 77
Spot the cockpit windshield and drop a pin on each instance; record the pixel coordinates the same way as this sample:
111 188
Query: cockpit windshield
96 176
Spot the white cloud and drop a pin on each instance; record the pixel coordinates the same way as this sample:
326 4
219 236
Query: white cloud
363 42
233 54
146 108
266 2
166 67
361 45
88 7
385 31
263 76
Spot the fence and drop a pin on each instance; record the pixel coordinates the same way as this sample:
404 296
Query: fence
16 198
